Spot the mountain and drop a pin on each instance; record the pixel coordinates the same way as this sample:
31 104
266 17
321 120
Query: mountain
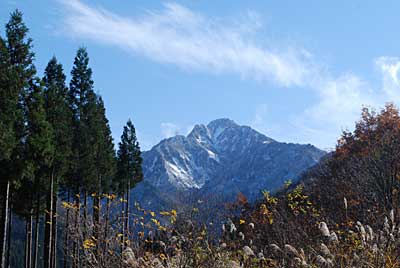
220 159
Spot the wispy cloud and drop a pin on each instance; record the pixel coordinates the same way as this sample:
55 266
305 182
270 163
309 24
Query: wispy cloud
169 129
389 67
341 98
339 102
177 35
259 120
190 40
337 107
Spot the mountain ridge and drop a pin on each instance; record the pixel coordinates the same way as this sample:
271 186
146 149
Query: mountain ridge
223 158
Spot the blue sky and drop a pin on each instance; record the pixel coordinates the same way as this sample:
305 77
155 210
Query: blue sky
296 71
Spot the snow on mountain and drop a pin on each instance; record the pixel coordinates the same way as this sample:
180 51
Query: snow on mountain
224 158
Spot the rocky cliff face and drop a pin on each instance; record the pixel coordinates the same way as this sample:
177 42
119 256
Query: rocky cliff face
221 159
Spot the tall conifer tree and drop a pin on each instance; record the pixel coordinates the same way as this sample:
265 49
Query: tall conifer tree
129 167
8 141
39 152
82 101
18 58
59 115
105 161
80 97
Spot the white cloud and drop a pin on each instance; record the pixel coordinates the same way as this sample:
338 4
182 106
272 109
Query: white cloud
338 105
188 129
340 101
259 121
389 67
179 36
190 40
169 129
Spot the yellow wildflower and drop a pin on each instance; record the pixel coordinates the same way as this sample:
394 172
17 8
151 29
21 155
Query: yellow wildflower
164 213
88 243
173 212
162 228
156 222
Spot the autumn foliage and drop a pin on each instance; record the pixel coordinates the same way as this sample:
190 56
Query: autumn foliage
364 169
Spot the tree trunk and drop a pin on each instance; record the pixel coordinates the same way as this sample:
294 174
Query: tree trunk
66 238
30 239
4 223
85 221
28 245
106 223
85 216
26 242
48 232
77 231
127 220
96 218
9 233
123 222
37 224
54 231
123 227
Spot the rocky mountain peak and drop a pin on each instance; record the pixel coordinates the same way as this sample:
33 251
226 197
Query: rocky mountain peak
225 154
216 127
200 134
